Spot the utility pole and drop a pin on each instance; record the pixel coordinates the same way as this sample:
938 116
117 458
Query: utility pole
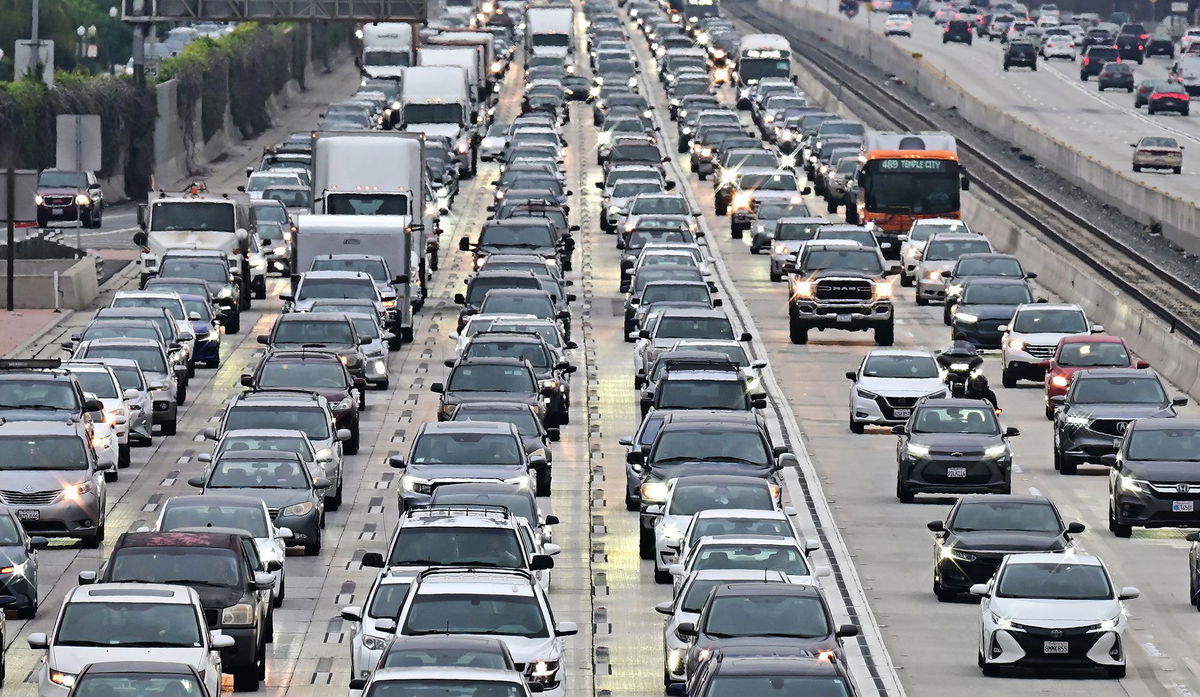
33 32
139 46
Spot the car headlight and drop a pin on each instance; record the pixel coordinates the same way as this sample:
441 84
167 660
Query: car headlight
60 678
960 366
372 643
1132 485
298 509
741 200
415 484
883 290
37 199
543 671
993 451
917 450
1108 625
686 130
864 394
72 492
947 552
803 289
1003 623
954 289
966 317
225 292
780 249
346 403
522 481
1077 421
654 492
388 303
1060 381
83 199
101 442
675 659
241 614
1016 344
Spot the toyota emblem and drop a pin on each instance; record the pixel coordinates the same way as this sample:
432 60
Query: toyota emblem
1056 633
28 489
1182 488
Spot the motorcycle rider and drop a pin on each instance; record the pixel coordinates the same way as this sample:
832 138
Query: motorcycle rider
977 388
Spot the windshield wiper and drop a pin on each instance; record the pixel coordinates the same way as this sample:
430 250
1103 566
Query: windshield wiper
33 406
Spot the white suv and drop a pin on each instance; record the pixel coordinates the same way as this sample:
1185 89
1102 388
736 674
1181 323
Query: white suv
889 383
128 622
507 604
913 243
1032 335
374 622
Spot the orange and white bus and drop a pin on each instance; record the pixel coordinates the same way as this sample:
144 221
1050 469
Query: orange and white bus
908 176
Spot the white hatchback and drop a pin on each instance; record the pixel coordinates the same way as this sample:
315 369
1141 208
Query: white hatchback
888 385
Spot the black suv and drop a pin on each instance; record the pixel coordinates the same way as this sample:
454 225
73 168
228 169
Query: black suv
1092 417
1131 42
1020 54
980 530
1115 76
953 446
552 374
1094 58
958 30
328 331
1155 477
224 568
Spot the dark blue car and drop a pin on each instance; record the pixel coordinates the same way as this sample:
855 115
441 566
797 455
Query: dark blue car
207 329
18 565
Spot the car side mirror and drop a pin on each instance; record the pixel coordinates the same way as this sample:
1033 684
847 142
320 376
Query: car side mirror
686 629
1109 460
359 383
979 589
342 434
321 483
197 482
1193 537
1058 400
263 339
359 683
38 542
1097 328
566 629
1179 402
745 336
654 509
210 433
1143 364
643 334
787 461
1012 431
204 457
541 562
570 345
1002 328
287 297
847 630
666 608
90 405
264 582
464 245
1031 275
437 387
1076 528
86 578
460 299
1129 593
600 185
900 429
373 560
386 625
635 457
851 375
758 403
247 381
284 533
38 640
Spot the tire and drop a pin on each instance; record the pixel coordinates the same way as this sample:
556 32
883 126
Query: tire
735 233
701 176
989 670
1049 413
260 293
1121 530
1177 170
543 484
1138 168
906 281
25 613
1008 379
943 595
1115 672
1057 460
214 363
797 329
1129 89
181 395
1006 67
352 444
1033 67
885 335
630 504
903 494
169 428
235 324
645 542
722 208
1150 109
1083 77
312 550
662 576
94 541
775 277
946 319
335 502
277 601
921 300
856 427
245 678
123 456
1066 465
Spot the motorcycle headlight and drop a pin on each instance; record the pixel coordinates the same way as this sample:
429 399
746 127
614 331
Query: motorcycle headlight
298 509
960 366
241 614
966 317
917 450
994 451
654 492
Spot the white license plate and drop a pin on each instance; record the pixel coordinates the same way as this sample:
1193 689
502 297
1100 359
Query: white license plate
1055 646
902 413
1183 506
956 471
56 211
29 515
843 318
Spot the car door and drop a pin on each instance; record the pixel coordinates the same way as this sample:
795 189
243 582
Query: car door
262 598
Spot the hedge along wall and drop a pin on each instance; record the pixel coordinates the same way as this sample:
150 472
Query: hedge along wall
27 123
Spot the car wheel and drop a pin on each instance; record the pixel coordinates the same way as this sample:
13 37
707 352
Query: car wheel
856 427
352 444
169 428
735 232
797 329
775 277
234 325
1116 672
902 492
1129 89
123 457
1066 465
921 300
94 541
1006 67
721 208
1150 109
645 542
906 280
245 678
943 595
1177 170
214 363
313 549
662 576
1118 529
543 485
1137 168
885 334
1008 378
946 318
630 504
989 670
1083 76
277 601
1049 413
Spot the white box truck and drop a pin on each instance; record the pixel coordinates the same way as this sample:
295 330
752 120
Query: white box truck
486 42
436 100
387 49
469 58
548 31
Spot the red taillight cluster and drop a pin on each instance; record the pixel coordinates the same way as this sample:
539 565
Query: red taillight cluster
1087 60
1169 95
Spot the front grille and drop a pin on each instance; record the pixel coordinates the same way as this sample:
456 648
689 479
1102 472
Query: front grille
1040 350
1110 427
846 290
889 405
1032 642
273 512
977 474
29 498
58 201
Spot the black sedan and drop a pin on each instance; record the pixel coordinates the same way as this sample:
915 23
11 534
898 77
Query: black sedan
19 565
953 446
980 530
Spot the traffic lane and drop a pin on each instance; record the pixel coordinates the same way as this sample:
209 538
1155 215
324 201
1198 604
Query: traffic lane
1076 113
933 641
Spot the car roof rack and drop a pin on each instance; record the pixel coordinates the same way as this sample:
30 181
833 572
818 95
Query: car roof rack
491 570
29 363
280 391
459 509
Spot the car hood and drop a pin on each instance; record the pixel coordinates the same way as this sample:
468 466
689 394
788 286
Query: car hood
765 643
443 472
1123 411
450 130
1048 339
1008 541
1054 613
160 241
1163 471
44 480
486 249
993 312
838 273
12 556
36 414
73 659
966 442
463 397
939 265
899 387
59 190
274 498
665 471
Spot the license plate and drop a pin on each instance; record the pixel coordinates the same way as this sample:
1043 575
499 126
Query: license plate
1055 646
29 515
956 471
843 318
902 413
1183 506
56 211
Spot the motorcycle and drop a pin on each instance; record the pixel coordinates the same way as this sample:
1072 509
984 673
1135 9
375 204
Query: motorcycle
959 371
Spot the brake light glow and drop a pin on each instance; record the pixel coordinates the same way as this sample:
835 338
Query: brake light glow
1087 60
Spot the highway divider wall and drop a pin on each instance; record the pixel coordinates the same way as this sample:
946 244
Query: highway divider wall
1179 218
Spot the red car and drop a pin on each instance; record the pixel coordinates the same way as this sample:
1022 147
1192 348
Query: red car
1080 352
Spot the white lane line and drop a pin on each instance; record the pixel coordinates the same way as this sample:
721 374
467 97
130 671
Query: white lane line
1033 491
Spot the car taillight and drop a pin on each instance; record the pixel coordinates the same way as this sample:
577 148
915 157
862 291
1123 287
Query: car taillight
1087 60
1140 47
1144 37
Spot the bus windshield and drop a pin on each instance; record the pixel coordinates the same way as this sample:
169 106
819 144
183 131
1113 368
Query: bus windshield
754 69
927 187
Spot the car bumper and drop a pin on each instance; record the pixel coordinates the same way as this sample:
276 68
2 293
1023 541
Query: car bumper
1006 647
843 317
983 334
1024 365
1085 446
1157 510
931 290
69 212
938 475
306 529
244 646
79 518
1163 162
870 411
140 425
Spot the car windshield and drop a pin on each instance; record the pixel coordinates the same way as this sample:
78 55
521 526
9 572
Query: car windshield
523 419
691 499
973 420
543 328
800 232
366 325
701 394
456 657
777 181
130 377
864 260
192 215
504 615
252 519
1060 580
269 214
372 266
777 686
989 266
500 303
141 684
642 237
687 444
199 306
694 328
1118 390
943 250
64 180
1156 142
785 559
764 527
660 205
766 615
634 152
633 188
171 304
142 625
535 353
864 237
38 394
388 599
206 270
1177 444
1095 354
481 285
316 374
1036 321
229 473
451 546
885 366
309 332
1006 515
204 566
292 198
531 236
774 210
428 687
313 422
735 352
149 358
360 288
491 378
996 294
467 448
924 232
